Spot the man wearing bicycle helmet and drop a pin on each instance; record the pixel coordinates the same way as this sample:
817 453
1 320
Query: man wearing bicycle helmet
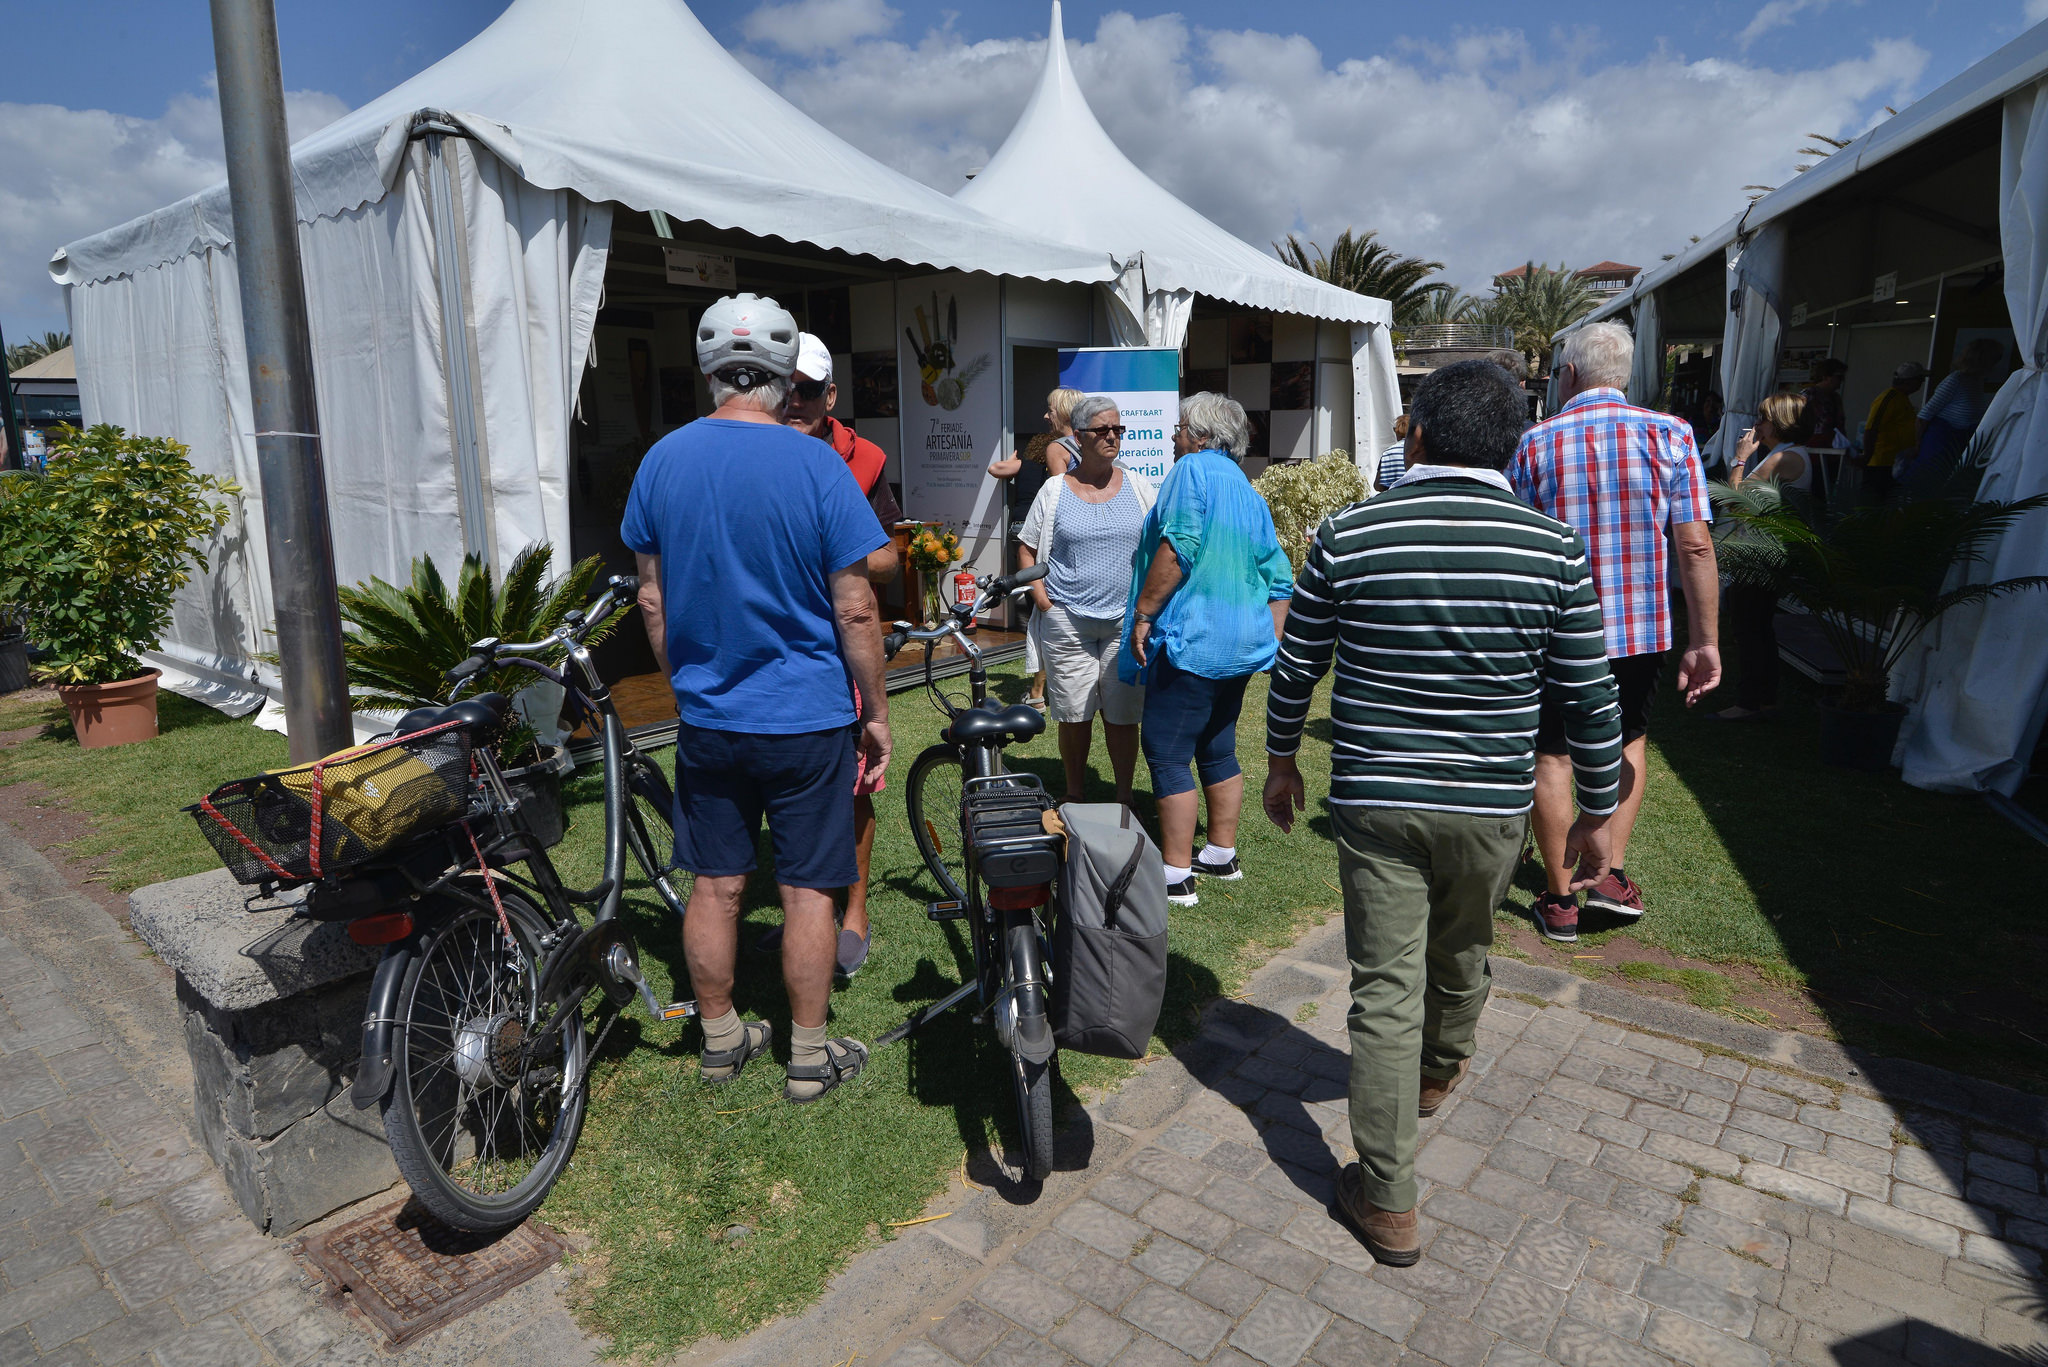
753 541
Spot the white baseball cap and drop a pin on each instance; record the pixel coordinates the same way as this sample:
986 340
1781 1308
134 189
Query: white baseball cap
812 359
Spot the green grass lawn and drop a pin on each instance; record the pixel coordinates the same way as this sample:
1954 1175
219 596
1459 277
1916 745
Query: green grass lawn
1923 907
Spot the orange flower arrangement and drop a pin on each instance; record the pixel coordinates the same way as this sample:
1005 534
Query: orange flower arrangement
933 550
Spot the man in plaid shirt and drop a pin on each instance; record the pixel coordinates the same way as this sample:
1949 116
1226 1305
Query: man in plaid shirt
1620 476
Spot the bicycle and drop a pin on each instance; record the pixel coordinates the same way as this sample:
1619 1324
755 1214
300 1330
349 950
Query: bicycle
979 827
475 1045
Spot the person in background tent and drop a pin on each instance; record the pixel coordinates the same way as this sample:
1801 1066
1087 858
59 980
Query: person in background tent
1394 459
1824 418
1957 405
1208 599
1622 476
1085 526
812 397
1045 456
1892 431
753 545
1770 450
1461 611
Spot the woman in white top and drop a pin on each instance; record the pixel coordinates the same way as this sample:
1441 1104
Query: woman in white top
1753 612
1085 526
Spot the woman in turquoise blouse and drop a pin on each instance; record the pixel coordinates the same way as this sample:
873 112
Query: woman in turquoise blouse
1209 593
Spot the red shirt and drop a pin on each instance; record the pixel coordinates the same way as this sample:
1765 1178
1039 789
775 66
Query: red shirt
865 460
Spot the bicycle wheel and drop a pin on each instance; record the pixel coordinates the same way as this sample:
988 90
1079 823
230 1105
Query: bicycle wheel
1024 962
651 829
476 1116
932 799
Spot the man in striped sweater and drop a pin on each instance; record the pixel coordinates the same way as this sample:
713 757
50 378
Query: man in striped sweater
1449 606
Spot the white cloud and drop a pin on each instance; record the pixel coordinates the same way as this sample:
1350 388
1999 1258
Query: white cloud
1776 14
2036 11
1478 155
809 27
68 173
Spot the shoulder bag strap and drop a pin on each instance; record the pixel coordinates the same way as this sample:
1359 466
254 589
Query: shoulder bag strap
1113 898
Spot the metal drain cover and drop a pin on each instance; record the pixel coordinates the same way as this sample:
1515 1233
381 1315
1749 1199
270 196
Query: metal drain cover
407 1273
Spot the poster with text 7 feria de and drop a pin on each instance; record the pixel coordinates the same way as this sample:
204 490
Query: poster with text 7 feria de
1145 382
949 338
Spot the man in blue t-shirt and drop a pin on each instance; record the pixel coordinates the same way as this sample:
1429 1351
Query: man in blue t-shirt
753 542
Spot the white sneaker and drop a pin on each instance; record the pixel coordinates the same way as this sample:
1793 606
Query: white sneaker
1182 894
1229 872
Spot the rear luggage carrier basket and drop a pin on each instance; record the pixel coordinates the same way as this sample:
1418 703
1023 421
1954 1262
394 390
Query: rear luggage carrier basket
1006 825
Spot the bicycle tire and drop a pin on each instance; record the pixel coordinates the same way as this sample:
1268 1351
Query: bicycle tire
651 830
466 1000
1024 961
931 799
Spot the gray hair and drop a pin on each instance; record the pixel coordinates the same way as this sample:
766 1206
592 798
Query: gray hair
1088 410
1218 422
1602 353
771 397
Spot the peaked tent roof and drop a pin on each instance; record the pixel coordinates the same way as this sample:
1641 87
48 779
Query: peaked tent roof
627 100
56 365
1057 141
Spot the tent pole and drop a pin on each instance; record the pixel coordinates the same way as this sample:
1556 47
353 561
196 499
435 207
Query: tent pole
296 530
8 422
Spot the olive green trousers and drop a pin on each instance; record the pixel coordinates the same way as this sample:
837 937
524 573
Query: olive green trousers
1420 889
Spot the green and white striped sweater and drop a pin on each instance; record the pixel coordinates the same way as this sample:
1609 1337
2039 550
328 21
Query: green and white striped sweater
1449 606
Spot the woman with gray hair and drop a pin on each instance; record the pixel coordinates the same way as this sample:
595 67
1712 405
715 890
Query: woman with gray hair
1084 526
1209 596
1957 405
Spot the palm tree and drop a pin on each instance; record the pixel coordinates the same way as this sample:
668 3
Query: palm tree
1538 304
21 355
1450 305
1365 265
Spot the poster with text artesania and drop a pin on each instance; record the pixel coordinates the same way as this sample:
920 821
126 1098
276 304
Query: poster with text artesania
949 339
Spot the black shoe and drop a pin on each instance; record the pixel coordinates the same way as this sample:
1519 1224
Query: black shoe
1182 894
1223 873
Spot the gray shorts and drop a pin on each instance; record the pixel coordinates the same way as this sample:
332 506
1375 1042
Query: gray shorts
1080 669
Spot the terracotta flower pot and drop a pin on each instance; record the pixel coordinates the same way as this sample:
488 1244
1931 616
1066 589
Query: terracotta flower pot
112 713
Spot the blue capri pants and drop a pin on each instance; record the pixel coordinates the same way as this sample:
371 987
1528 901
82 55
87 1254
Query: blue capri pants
1190 719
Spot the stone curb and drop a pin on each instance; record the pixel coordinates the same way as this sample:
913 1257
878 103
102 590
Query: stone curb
1895 1080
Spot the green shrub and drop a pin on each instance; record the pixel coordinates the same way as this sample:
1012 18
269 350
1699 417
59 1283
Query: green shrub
1303 493
96 547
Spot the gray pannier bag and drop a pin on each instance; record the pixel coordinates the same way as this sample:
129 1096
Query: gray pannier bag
1109 941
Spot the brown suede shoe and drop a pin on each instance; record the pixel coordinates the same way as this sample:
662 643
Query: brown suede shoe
1392 1237
1435 1089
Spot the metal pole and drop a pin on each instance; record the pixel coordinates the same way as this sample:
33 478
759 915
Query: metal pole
300 542
8 421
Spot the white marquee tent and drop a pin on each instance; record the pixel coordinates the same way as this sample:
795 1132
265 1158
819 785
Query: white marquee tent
1899 197
454 234
1164 251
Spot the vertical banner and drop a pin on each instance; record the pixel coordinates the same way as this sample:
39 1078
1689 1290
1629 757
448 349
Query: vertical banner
1145 382
951 397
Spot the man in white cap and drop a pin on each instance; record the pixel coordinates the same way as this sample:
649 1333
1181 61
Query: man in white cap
753 547
812 397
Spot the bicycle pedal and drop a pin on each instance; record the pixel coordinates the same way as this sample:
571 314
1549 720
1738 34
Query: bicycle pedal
679 1011
953 910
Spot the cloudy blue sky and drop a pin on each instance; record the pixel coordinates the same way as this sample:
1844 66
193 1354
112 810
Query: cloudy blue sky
1478 133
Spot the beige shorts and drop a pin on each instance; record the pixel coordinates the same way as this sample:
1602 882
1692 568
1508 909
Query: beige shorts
1080 670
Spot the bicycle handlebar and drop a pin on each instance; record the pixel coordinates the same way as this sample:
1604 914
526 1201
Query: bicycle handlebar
576 627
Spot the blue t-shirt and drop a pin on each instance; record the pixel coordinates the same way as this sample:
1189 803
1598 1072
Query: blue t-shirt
1219 622
751 520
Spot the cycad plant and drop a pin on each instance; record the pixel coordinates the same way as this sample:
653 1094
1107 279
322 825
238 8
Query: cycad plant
1874 578
1363 264
401 640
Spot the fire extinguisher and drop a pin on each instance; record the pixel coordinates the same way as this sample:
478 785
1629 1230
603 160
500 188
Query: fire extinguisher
964 593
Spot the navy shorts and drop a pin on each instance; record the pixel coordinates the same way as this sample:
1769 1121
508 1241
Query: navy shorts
1635 677
726 781
1190 719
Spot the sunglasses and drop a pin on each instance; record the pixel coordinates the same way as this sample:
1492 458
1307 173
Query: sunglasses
810 391
1107 433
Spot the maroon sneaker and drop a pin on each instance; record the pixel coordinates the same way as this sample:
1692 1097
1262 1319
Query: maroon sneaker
1557 918
1618 895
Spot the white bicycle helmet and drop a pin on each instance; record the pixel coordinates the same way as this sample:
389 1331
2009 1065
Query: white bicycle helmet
743 333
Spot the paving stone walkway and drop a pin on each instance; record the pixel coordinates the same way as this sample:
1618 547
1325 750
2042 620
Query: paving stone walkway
1593 1196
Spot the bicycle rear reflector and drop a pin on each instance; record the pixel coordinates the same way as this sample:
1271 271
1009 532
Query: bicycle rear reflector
387 929
1020 899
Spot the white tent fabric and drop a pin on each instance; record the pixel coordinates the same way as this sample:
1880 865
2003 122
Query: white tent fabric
1978 686
1646 372
627 100
1749 343
1166 252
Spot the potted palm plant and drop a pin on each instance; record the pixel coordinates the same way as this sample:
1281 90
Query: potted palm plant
402 639
1873 578
97 547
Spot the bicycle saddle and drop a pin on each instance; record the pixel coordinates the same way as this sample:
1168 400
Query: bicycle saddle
1015 723
482 712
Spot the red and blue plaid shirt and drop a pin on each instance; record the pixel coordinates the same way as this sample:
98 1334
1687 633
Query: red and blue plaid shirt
1621 476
